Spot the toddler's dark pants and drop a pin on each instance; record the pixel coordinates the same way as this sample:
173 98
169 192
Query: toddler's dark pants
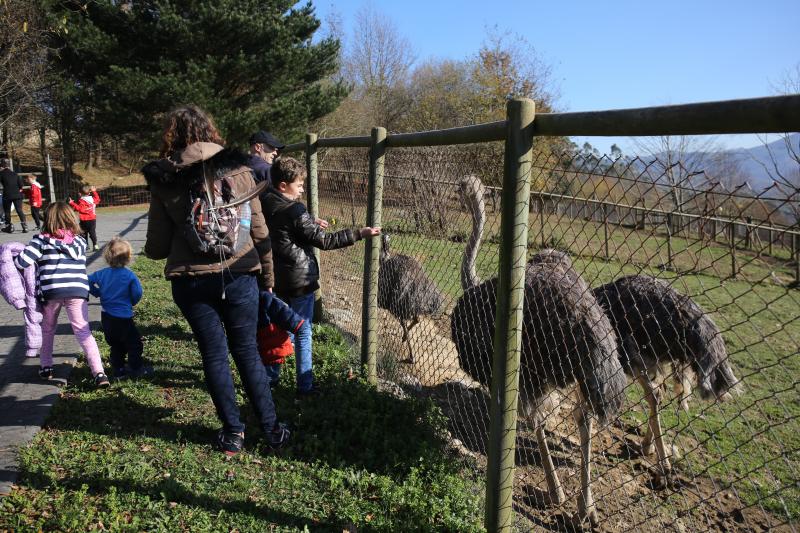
124 339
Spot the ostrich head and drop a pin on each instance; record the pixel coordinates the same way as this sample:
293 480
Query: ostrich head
384 246
715 378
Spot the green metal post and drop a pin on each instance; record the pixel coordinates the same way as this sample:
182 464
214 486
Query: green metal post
312 194
508 326
369 304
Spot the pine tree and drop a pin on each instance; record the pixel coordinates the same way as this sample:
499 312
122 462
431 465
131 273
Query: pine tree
251 64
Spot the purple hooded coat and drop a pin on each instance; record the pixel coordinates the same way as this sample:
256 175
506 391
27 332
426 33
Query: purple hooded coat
19 290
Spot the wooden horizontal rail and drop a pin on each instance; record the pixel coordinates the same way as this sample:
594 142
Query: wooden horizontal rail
775 114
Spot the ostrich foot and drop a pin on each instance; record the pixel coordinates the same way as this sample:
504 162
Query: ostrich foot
662 477
583 519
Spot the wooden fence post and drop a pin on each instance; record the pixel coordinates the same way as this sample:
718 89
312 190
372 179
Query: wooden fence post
508 326
748 234
369 303
669 240
796 247
732 244
540 203
313 205
605 231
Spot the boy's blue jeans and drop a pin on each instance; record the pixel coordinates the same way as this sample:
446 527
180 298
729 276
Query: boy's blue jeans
303 306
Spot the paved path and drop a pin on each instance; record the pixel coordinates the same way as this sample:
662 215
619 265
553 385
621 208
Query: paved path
25 400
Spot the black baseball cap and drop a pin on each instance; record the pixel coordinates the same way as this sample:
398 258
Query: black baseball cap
265 137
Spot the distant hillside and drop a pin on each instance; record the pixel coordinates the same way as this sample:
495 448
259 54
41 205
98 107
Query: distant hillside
758 177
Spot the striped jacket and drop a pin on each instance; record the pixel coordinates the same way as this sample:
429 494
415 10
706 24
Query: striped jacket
62 266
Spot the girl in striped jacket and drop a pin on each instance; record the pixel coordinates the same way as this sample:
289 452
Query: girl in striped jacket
60 254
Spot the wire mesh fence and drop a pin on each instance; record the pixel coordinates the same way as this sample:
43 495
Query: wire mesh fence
668 318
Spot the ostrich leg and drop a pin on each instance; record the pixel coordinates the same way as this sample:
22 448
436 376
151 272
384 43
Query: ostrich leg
586 507
407 336
555 494
654 433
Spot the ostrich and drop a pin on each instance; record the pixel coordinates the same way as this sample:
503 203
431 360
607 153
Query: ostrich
657 326
566 339
405 290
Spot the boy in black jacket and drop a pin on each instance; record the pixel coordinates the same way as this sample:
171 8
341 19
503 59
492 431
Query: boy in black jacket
294 234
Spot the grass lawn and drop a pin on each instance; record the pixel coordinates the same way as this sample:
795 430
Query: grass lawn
138 456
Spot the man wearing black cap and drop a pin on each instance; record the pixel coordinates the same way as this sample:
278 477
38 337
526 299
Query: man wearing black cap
263 150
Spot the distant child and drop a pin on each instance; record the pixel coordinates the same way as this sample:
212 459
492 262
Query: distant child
33 191
294 235
119 290
86 206
60 254
275 321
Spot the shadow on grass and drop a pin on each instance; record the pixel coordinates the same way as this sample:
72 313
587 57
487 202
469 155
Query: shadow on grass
351 425
172 491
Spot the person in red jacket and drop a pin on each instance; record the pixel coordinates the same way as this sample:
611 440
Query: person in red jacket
33 192
85 207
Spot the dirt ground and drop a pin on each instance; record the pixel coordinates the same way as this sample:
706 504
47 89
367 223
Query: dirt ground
628 495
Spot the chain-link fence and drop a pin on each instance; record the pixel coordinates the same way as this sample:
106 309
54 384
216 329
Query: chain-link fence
114 190
660 338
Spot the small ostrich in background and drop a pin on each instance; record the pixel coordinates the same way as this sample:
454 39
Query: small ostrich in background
657 326
405 290
566 339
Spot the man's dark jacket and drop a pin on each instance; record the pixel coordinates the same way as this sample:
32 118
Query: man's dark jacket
12 184
294 236
260 169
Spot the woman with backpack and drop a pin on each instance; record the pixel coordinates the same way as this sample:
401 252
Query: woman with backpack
216 260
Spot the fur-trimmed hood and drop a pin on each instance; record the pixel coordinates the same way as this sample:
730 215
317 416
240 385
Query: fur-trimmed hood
190 164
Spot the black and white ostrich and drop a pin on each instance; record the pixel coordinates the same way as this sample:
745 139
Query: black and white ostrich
405 290
566 339
658 327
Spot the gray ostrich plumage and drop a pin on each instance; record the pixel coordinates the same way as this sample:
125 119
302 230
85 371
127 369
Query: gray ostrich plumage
405 290
566 339
657 327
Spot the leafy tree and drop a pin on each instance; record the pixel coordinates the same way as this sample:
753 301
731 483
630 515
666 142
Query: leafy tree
251 64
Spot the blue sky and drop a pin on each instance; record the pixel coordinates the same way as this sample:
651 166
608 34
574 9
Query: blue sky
617 54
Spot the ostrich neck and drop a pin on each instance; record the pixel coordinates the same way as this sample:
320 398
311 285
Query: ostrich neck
469 275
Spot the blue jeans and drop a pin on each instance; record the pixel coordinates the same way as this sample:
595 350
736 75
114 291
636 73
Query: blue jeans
222 310
303 306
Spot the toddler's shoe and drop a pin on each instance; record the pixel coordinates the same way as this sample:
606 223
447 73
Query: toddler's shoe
229 443
46 372
101 380
96 247
120 373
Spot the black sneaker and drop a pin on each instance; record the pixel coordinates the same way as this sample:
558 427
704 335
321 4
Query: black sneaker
313 392
46 372
229 443
101 380
141 372
278 437
8 229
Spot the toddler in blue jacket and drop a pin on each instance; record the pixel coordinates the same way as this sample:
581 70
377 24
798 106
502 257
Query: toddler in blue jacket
119 290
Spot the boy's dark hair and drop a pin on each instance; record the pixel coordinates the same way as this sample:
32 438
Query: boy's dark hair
286 169
86 189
